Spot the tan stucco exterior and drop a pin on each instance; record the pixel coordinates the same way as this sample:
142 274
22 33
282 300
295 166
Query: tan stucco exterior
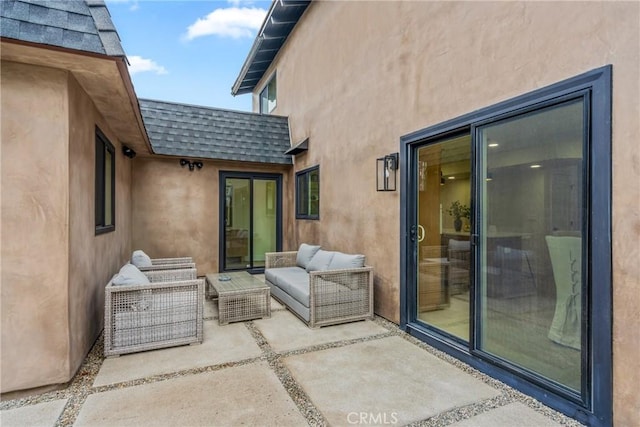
176 211
403 66
54 267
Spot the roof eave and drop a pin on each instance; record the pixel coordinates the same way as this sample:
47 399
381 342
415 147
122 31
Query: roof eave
268 31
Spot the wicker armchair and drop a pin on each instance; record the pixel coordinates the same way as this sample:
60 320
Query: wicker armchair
155 315
335 296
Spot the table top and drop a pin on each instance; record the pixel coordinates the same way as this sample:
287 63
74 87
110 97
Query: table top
238 281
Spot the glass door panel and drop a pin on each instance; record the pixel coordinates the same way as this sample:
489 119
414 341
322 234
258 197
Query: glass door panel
264 220
237 223
443 230
530 252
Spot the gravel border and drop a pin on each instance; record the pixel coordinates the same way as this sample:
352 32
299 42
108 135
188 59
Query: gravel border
81 387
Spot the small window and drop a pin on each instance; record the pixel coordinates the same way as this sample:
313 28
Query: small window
308 193
105 184
268 97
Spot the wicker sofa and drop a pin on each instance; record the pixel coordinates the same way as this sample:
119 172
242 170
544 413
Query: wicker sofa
322 288
152 310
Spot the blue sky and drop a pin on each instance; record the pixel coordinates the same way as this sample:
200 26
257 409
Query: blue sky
188 51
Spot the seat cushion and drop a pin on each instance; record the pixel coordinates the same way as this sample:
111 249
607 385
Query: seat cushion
320 261
140 259
305 253
273 274
292 280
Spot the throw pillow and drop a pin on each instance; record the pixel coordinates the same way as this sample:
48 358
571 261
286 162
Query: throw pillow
140 259
129 275
320 261
341 261
305 253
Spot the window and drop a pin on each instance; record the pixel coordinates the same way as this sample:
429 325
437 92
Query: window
105 184
308 193
268 97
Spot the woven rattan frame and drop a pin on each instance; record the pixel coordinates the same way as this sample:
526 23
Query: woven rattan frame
171 275
170 266
320 289
152 316
180 260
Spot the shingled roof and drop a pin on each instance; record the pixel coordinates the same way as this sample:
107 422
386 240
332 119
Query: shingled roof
211 133
83 25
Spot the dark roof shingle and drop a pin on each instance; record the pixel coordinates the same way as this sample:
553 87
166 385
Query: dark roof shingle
74 24
211 133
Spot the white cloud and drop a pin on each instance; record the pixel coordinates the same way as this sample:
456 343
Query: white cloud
139 64
229 22
134 4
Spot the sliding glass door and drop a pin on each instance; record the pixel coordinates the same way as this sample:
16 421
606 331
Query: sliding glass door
531 199
506 214
251 219
443 270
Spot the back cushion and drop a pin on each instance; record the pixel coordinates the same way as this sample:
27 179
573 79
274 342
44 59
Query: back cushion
305 253
341 261
140 259
320 261
130 275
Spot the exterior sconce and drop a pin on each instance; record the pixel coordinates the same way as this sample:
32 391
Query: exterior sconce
192 165
386 171
128 152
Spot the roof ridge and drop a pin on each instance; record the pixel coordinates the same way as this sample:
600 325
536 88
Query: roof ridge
204 107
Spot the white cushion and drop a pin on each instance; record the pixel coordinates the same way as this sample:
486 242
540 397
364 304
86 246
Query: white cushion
140 259
129 275
305 253
320 261
341 261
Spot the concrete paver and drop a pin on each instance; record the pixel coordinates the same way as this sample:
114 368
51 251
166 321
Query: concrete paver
386 381
248 395
513 414
286 332
42 414
221 344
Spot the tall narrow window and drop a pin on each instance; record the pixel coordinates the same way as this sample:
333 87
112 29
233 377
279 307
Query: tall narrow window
308 193
105 184
268 97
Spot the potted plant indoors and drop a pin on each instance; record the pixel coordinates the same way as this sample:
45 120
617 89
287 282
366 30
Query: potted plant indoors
458 211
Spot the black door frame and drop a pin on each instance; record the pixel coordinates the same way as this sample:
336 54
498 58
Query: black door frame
596 87
221 225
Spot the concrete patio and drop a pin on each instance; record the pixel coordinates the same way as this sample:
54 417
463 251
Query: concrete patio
278 372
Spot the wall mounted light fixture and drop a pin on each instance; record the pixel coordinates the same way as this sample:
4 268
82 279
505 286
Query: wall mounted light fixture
128 152
192 165
386 171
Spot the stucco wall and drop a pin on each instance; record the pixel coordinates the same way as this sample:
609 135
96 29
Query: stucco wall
175 211
403 66
35 237
93 260
54 268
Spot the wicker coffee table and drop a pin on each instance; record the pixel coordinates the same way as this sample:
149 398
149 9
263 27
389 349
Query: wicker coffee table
240 296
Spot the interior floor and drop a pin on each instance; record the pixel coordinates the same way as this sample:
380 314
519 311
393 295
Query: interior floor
515 329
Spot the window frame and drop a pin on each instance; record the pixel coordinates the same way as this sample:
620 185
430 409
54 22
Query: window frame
102 146
264 96
305 174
